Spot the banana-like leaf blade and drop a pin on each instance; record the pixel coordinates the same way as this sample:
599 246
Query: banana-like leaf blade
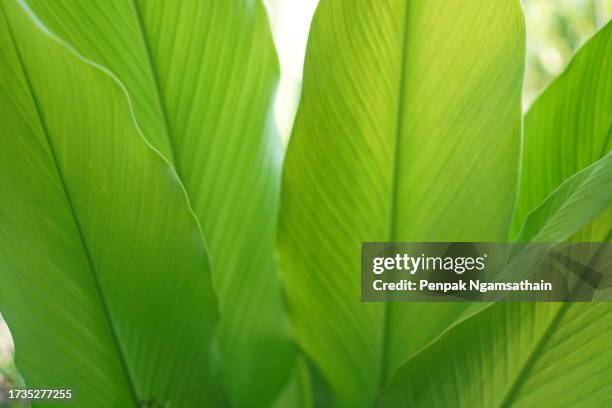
202 75
408 130
573 115
525 355
576 203
533 354
104 276
521 349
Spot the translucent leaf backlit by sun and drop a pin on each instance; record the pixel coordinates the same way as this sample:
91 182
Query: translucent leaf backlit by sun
202 75
408 130
104 279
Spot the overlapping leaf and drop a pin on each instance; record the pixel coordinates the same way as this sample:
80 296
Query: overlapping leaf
202 75
531 354
568 128
575 204
104 276
408 130
514 354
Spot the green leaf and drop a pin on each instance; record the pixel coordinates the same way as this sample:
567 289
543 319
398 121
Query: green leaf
521 348
573 115
202 75
298 393
408 130
577 202
525 355
534 354
566 166
104 276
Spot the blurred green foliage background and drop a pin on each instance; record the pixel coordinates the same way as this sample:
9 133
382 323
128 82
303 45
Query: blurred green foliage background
555 30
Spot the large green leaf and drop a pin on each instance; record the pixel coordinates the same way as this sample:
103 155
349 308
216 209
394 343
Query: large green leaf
514 354
408 130
580 210
202 76
526 354
104 276
567 130
569 127
531 354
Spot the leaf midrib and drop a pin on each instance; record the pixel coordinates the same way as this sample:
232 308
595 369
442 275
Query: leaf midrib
70 204
157 88
394 187
534 356
537 350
